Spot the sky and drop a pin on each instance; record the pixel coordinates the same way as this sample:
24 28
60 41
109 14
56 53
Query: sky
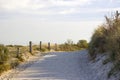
52 21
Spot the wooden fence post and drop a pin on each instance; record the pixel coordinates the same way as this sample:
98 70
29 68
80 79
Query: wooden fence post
18 51
30 46
55 46
49 46
40 45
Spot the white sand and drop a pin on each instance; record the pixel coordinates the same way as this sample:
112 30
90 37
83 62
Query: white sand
66 66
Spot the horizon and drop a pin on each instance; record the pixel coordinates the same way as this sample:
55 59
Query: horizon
52 21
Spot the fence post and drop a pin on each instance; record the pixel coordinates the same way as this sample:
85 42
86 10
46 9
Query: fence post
55 46
49 46
30 46
18 51
40 45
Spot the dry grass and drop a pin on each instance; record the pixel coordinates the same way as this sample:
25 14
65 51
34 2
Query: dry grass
107 39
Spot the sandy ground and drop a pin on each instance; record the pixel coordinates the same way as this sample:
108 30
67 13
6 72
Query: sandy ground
66 66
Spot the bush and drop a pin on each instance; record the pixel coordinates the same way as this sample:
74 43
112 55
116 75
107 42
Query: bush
70 46
82 44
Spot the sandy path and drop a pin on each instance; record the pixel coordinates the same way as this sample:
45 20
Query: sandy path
67 66
59 66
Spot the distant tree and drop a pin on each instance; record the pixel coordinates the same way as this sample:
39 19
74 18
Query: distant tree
68 46
18 46
82 44
9 45
69 42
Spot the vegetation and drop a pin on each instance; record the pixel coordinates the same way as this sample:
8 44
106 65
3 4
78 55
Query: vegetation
70 46
10 57
3 58
82 44
3 54
106 38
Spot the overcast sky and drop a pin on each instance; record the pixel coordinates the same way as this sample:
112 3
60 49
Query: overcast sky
52 20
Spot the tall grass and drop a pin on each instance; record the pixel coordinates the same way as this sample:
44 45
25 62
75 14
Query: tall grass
3 54
106 38
3 59
10 58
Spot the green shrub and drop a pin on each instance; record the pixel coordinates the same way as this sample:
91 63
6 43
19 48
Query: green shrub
82 44
70 46
98 42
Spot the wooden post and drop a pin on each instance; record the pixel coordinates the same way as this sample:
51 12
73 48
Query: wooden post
30 46
40 45
18 51
49 46
117 16
55 46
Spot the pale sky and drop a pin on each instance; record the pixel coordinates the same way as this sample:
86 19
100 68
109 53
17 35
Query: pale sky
53 21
